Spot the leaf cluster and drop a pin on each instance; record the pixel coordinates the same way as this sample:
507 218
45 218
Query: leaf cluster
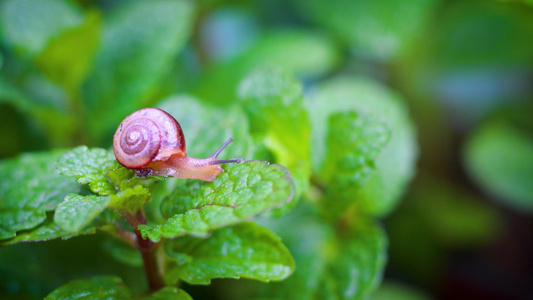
341 151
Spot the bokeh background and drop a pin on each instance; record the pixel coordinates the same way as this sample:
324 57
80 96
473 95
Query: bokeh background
71 70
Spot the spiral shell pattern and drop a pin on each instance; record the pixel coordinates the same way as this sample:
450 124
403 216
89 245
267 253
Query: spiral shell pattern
147 135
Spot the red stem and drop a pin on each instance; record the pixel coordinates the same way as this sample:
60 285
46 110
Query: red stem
148 251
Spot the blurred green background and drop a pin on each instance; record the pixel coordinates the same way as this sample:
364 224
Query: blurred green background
70 71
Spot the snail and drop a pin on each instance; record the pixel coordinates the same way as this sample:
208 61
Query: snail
151 141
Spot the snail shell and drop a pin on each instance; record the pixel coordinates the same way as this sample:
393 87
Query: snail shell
146 135
151 141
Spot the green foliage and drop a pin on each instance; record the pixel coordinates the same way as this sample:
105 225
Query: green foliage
76 211
105 176
208 127
65 69
49 265
241 192
169 293
274 102
43 232
353 145
138 43
378 29
459 43
29 188
89 166
500 158
29 25
245 250
103 287
278 48
130 199
394 164
324 152
333 263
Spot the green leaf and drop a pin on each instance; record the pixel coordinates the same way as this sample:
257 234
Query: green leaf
354 142
206 128
29 187
169 293
499 158
245 250
67 58
54 263
357 269
101 287
89 166
346 262
42 118
28 25
241 192
105 176
131 199
281 48
395 164
379 29
77 211
274 101
139 42
45 231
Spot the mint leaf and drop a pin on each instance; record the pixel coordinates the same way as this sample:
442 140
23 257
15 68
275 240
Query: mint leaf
28 25
284 48
29 187
379 29
358 268
45 231
43 115
274 101
395 164
100 287
206 128
281 48
76 211
139 42
241 192
245 250
499 157
169 293
354 142
67 57
346 262
131 199
105 176
89 166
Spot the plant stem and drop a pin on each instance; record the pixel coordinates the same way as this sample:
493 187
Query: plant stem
148 252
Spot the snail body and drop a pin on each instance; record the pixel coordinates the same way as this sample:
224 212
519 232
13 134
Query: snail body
151 141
